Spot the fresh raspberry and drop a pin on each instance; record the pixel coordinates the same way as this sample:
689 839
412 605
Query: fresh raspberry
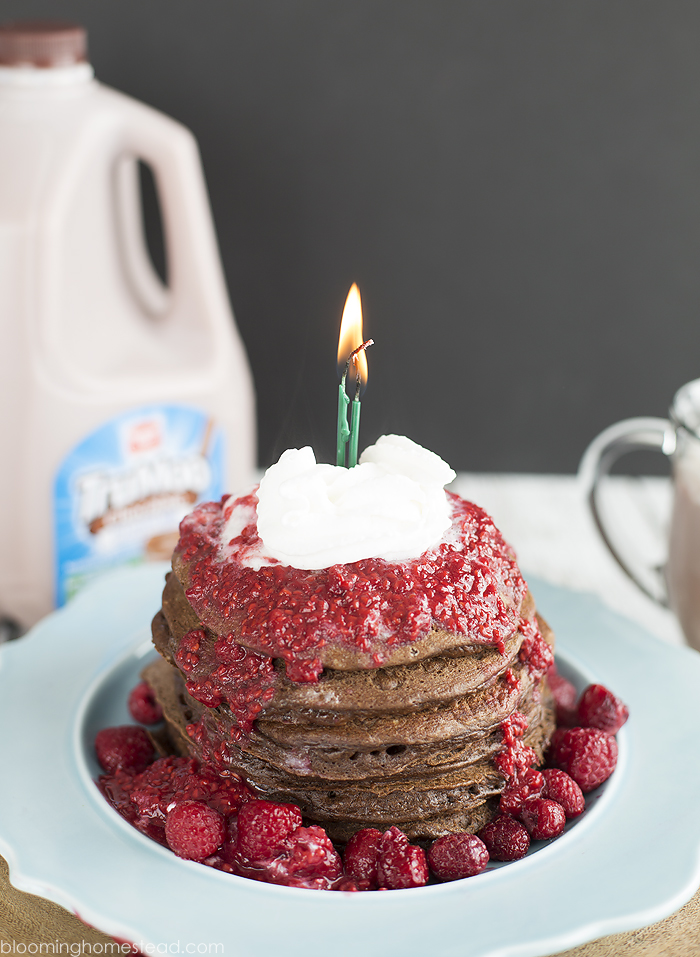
457 855
513 796
600 708
194 830
559 787
308 859
127 747
262 828
505 838
361 856
565 695
400 864
543 818
588 755
143 706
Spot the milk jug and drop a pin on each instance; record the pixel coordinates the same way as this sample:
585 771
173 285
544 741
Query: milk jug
123 401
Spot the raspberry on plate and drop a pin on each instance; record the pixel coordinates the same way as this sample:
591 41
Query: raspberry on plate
262 828
543 818
194 830
400 864
600 708
514 796
143 706
564 790
361 857
126 747
588 755
455 856
308 859
505 838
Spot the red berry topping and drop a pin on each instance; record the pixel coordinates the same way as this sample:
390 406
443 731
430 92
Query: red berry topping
513 796
346 884
361 856
177 779
600 708
400 864
127 747
564 790
470 587
505 838
457 855
308 859
194 830
588 755
262 828
565 695
543 818
143 706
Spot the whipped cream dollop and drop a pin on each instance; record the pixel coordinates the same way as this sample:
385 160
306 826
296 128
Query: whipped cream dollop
392 505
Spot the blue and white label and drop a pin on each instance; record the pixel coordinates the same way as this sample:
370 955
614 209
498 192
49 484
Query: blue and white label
121 494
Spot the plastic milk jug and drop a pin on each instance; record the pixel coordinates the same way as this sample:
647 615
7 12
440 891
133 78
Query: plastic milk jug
123 401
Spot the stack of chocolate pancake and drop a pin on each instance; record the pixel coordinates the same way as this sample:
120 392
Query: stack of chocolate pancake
411 743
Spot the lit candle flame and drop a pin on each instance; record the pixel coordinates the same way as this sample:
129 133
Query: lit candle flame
351 338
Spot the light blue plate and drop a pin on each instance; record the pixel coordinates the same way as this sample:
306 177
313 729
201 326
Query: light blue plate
633 859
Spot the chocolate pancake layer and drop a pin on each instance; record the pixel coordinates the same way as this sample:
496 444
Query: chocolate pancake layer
437 641
437 672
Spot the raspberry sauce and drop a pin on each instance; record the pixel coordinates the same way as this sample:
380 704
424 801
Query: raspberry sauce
468 584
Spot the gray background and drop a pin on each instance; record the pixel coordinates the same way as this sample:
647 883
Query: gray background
514 184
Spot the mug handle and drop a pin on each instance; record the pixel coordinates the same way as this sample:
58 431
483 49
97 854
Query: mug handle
630 435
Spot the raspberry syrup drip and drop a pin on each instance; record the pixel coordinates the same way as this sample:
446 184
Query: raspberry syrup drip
534 652
468 584
515 760
214 753
222 670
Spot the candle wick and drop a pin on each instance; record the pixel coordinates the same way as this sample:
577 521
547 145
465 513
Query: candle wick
355 353
354 356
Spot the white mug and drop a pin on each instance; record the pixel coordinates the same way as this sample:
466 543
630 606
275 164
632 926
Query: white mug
676 584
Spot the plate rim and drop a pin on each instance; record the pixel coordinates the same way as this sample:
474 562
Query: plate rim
143 587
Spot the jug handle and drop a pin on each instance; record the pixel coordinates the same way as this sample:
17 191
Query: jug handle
630 435
196 291
146 285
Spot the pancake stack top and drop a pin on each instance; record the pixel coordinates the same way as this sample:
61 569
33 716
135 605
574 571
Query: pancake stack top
369 694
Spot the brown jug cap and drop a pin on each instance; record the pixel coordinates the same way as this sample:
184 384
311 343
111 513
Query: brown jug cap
42 43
